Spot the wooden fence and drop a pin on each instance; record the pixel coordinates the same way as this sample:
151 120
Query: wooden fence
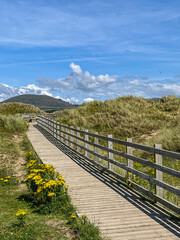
87 145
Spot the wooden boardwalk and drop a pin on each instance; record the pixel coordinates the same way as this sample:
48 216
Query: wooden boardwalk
116 210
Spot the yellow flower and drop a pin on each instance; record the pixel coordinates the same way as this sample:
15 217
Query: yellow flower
8 177
51 194
6 180
1 179
72 216
130 184
84 216
17 179
21 212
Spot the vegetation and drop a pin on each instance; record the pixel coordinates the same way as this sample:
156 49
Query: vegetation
46 103
145 121
134 117
15 108
25 214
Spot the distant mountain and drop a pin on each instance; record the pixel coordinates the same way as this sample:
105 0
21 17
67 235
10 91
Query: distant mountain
46 103
155 99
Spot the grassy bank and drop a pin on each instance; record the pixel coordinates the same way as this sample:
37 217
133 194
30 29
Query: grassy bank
22 215
135 117
145 121
14 108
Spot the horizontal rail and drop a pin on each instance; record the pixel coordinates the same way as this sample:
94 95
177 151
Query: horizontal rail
142 161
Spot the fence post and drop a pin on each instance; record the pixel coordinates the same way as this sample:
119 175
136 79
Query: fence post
86 144
66 136
129 151
71 138
57 124
52 130
62 128
159 174
96 141
54 126
78 141
110 154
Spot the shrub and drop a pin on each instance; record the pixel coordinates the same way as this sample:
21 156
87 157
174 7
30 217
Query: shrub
12 123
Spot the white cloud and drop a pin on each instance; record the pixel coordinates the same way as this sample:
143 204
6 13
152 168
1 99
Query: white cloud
75 68
78 80
7 91
88 99
73 100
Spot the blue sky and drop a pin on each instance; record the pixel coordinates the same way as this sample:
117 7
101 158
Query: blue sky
84 50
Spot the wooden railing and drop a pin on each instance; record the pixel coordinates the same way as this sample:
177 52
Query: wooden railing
90 149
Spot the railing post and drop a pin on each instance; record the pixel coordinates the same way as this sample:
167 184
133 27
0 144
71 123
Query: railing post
71 138
96 141
159 174
86 144
66 136
62 128
110 154
49 124
51 127
57 124
129 151
78 141
54 126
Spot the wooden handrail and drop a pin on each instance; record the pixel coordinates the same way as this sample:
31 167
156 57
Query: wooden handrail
73 140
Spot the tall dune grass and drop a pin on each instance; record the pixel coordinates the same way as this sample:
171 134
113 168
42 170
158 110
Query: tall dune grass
134 117
11 123
14 108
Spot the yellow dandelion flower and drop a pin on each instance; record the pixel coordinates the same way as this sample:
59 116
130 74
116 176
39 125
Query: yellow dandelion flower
51 194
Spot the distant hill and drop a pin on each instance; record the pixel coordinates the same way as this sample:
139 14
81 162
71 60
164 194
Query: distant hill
46 103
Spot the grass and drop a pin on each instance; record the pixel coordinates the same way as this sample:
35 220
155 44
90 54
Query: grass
15 195
134 117
15 108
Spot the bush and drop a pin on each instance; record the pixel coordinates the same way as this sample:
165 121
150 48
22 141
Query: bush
47 186
13 124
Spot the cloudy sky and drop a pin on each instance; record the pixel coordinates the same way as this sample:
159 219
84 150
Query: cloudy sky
83 50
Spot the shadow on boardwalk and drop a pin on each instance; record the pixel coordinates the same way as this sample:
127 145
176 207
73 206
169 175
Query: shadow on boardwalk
152 210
